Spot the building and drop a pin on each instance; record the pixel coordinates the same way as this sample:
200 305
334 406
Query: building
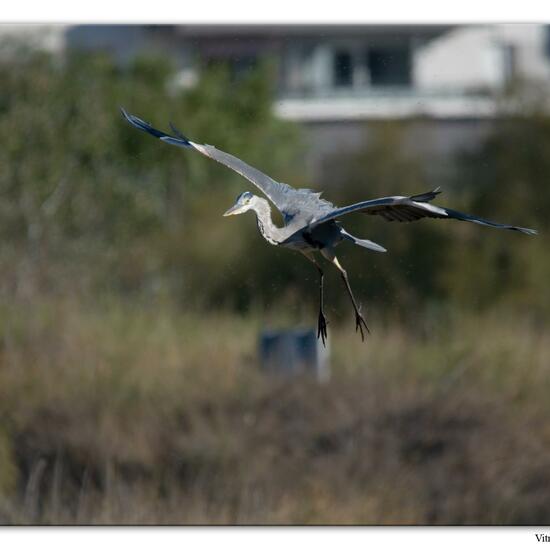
339 81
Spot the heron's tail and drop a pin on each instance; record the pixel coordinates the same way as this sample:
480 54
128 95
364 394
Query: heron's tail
362 242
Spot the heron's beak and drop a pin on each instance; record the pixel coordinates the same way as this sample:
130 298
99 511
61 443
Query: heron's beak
235 209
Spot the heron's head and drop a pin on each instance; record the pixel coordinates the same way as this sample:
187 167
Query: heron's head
244 202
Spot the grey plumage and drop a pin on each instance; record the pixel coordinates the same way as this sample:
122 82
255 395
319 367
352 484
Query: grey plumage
310 222
406 209
291 202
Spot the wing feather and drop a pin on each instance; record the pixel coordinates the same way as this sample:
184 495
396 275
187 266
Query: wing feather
405 209
306 208
288 200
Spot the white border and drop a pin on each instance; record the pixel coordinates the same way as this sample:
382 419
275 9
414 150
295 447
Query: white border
229 538
280 11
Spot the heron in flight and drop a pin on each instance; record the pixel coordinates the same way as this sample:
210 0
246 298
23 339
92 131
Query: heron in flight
311 224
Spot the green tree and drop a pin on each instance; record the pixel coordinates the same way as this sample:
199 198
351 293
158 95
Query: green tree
507 179
87 200
409 273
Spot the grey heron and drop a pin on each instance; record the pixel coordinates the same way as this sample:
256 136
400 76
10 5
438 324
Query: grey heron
311 224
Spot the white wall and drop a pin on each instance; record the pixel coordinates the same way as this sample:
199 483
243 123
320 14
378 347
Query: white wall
530 40
474 57
464 58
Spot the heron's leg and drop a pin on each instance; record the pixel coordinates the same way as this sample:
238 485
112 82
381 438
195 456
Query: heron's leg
360 322
322 321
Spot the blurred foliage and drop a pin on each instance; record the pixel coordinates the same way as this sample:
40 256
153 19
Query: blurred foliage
83 191
434 261
407 274
115 411
8 466
118 413
507 178
87 202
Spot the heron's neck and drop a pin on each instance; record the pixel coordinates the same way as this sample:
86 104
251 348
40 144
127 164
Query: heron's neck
270 232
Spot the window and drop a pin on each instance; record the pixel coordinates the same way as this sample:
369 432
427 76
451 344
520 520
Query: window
509 62
389 66
547 40
342 69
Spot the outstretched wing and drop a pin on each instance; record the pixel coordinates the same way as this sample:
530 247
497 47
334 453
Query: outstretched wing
407 209
288 200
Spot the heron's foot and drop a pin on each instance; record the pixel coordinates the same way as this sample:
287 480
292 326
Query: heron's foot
322 327
361 324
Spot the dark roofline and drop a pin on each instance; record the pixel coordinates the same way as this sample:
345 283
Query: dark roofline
192 31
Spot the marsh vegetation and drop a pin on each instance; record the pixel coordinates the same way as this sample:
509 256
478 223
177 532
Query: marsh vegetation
130 390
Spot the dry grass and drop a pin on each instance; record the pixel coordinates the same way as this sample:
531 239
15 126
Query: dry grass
113 413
